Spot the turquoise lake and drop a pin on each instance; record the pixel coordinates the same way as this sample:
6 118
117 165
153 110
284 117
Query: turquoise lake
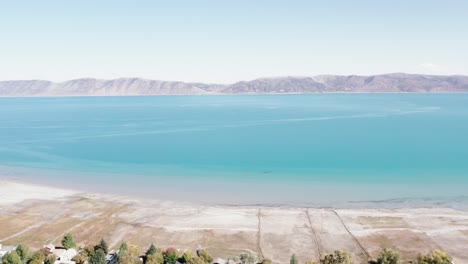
322 149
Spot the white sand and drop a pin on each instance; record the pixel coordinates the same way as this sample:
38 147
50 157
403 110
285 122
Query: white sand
15 192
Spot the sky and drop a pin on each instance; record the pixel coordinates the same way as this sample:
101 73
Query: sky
217 41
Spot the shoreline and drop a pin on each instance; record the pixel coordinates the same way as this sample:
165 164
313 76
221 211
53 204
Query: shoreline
457 202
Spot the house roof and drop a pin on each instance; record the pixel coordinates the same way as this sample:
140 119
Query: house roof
68 254
64 262
58 252
219 261
50 246
6 249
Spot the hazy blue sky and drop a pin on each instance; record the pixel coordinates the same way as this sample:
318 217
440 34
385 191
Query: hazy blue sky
227 41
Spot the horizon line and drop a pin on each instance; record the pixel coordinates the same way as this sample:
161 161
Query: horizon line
230 83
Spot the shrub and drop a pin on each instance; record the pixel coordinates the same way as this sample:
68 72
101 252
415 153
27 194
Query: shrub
338 257
436 257
248 258
388 256
202 254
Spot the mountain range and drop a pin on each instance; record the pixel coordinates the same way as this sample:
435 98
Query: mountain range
384 83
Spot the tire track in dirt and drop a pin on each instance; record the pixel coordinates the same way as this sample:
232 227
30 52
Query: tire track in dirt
259 233
351 234
316 238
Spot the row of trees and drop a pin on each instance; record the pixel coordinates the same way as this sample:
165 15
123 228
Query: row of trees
129 254
23 255
386 256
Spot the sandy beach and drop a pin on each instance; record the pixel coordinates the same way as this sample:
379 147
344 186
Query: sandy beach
37 215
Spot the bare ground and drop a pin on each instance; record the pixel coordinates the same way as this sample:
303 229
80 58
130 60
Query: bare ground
225 232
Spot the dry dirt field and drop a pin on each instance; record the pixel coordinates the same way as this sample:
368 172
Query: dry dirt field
39 215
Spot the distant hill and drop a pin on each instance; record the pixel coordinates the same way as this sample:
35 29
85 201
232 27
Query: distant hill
385 83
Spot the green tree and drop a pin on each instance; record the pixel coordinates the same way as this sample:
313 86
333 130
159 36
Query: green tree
88 251
170 256
11 258
388 256
123 246
203 254
50 259
37 257
436 257
122 252
266 261
81 258
187 256
128 254
293 259
151 250
67 241
196 260
23 253
102 246
99 257
156 257
338 257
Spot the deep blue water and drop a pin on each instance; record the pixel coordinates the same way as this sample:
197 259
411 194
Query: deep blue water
242 149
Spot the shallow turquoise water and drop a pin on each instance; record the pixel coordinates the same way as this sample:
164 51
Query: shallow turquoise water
242 149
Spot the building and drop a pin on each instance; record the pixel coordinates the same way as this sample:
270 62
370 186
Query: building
64 262
49 247
65 256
